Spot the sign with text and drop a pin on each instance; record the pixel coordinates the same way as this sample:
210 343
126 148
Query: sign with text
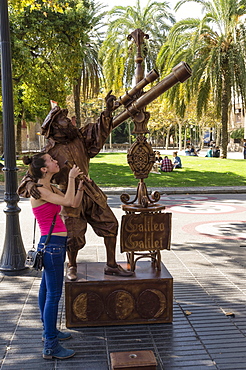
145 232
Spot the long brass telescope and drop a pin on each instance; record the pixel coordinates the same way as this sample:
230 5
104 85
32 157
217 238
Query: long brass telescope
128 97
180 73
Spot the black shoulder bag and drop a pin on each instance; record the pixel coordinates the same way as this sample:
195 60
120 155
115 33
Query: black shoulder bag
34 258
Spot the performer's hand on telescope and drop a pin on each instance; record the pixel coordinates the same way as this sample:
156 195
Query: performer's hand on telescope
109 99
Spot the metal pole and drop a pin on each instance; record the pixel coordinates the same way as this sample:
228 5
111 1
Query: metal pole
13 255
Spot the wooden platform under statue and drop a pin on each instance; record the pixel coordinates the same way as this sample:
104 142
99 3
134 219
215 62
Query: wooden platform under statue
95 299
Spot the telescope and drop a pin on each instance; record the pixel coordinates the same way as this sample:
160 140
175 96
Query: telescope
129 96
180 73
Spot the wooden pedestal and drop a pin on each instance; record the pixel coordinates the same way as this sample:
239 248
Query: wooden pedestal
95 299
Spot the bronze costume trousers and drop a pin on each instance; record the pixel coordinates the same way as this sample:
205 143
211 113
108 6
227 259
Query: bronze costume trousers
102 221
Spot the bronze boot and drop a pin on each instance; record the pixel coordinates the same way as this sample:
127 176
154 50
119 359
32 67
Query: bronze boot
72 273
117 271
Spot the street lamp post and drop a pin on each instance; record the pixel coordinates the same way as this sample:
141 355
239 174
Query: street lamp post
13 255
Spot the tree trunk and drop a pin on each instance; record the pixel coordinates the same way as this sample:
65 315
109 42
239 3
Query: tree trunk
180 136
218 136
18 135
185 137
76 97
202 134
18 131
225 99
167 137
175 141
191 138
129 133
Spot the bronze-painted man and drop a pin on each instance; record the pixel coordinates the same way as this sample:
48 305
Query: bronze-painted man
68 144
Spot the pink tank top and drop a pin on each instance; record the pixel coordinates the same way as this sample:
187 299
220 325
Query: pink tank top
44 214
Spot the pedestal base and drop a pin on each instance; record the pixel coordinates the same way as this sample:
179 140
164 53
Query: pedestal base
95 299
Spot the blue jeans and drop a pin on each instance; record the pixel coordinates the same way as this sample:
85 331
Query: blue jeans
51 285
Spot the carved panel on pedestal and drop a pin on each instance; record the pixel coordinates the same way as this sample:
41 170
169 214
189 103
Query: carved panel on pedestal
96 300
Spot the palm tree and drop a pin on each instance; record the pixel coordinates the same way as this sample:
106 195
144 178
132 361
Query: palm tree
89 69
117 55
215 47
81 36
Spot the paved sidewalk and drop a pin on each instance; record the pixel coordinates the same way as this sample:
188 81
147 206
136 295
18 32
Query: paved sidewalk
209 326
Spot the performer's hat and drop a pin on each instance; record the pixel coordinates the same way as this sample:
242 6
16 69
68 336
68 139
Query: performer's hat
50 118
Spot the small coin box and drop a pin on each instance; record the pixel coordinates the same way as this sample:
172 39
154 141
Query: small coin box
142 360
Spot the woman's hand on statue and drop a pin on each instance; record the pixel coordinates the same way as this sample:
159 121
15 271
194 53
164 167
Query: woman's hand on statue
75 172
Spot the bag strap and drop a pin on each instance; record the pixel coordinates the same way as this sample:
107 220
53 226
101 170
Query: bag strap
34 231
50 232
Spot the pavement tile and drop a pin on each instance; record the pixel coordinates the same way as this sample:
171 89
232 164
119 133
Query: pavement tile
235 366
209 280
83 366
236 356
26 365
188 363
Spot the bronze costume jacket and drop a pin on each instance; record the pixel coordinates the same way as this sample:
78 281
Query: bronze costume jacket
86 145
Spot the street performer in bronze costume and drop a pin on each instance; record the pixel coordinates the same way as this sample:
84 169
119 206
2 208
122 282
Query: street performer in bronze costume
69 145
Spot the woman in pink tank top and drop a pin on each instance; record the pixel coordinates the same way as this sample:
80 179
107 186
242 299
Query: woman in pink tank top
42 167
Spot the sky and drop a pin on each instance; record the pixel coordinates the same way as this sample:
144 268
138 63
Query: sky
191 9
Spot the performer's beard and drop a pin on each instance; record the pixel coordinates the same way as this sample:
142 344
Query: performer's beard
61 134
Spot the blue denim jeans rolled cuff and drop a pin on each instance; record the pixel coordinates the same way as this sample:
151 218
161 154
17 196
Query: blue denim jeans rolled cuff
51 285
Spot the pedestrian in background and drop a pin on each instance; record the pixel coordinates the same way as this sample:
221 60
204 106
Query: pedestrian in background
209 152
193 151
216 152
158 157
176 160
166 165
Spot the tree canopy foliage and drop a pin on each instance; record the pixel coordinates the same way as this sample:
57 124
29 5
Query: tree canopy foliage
118 55
59 49
54 48
215 48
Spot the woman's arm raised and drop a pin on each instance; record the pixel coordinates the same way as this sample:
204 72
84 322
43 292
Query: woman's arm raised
68 199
